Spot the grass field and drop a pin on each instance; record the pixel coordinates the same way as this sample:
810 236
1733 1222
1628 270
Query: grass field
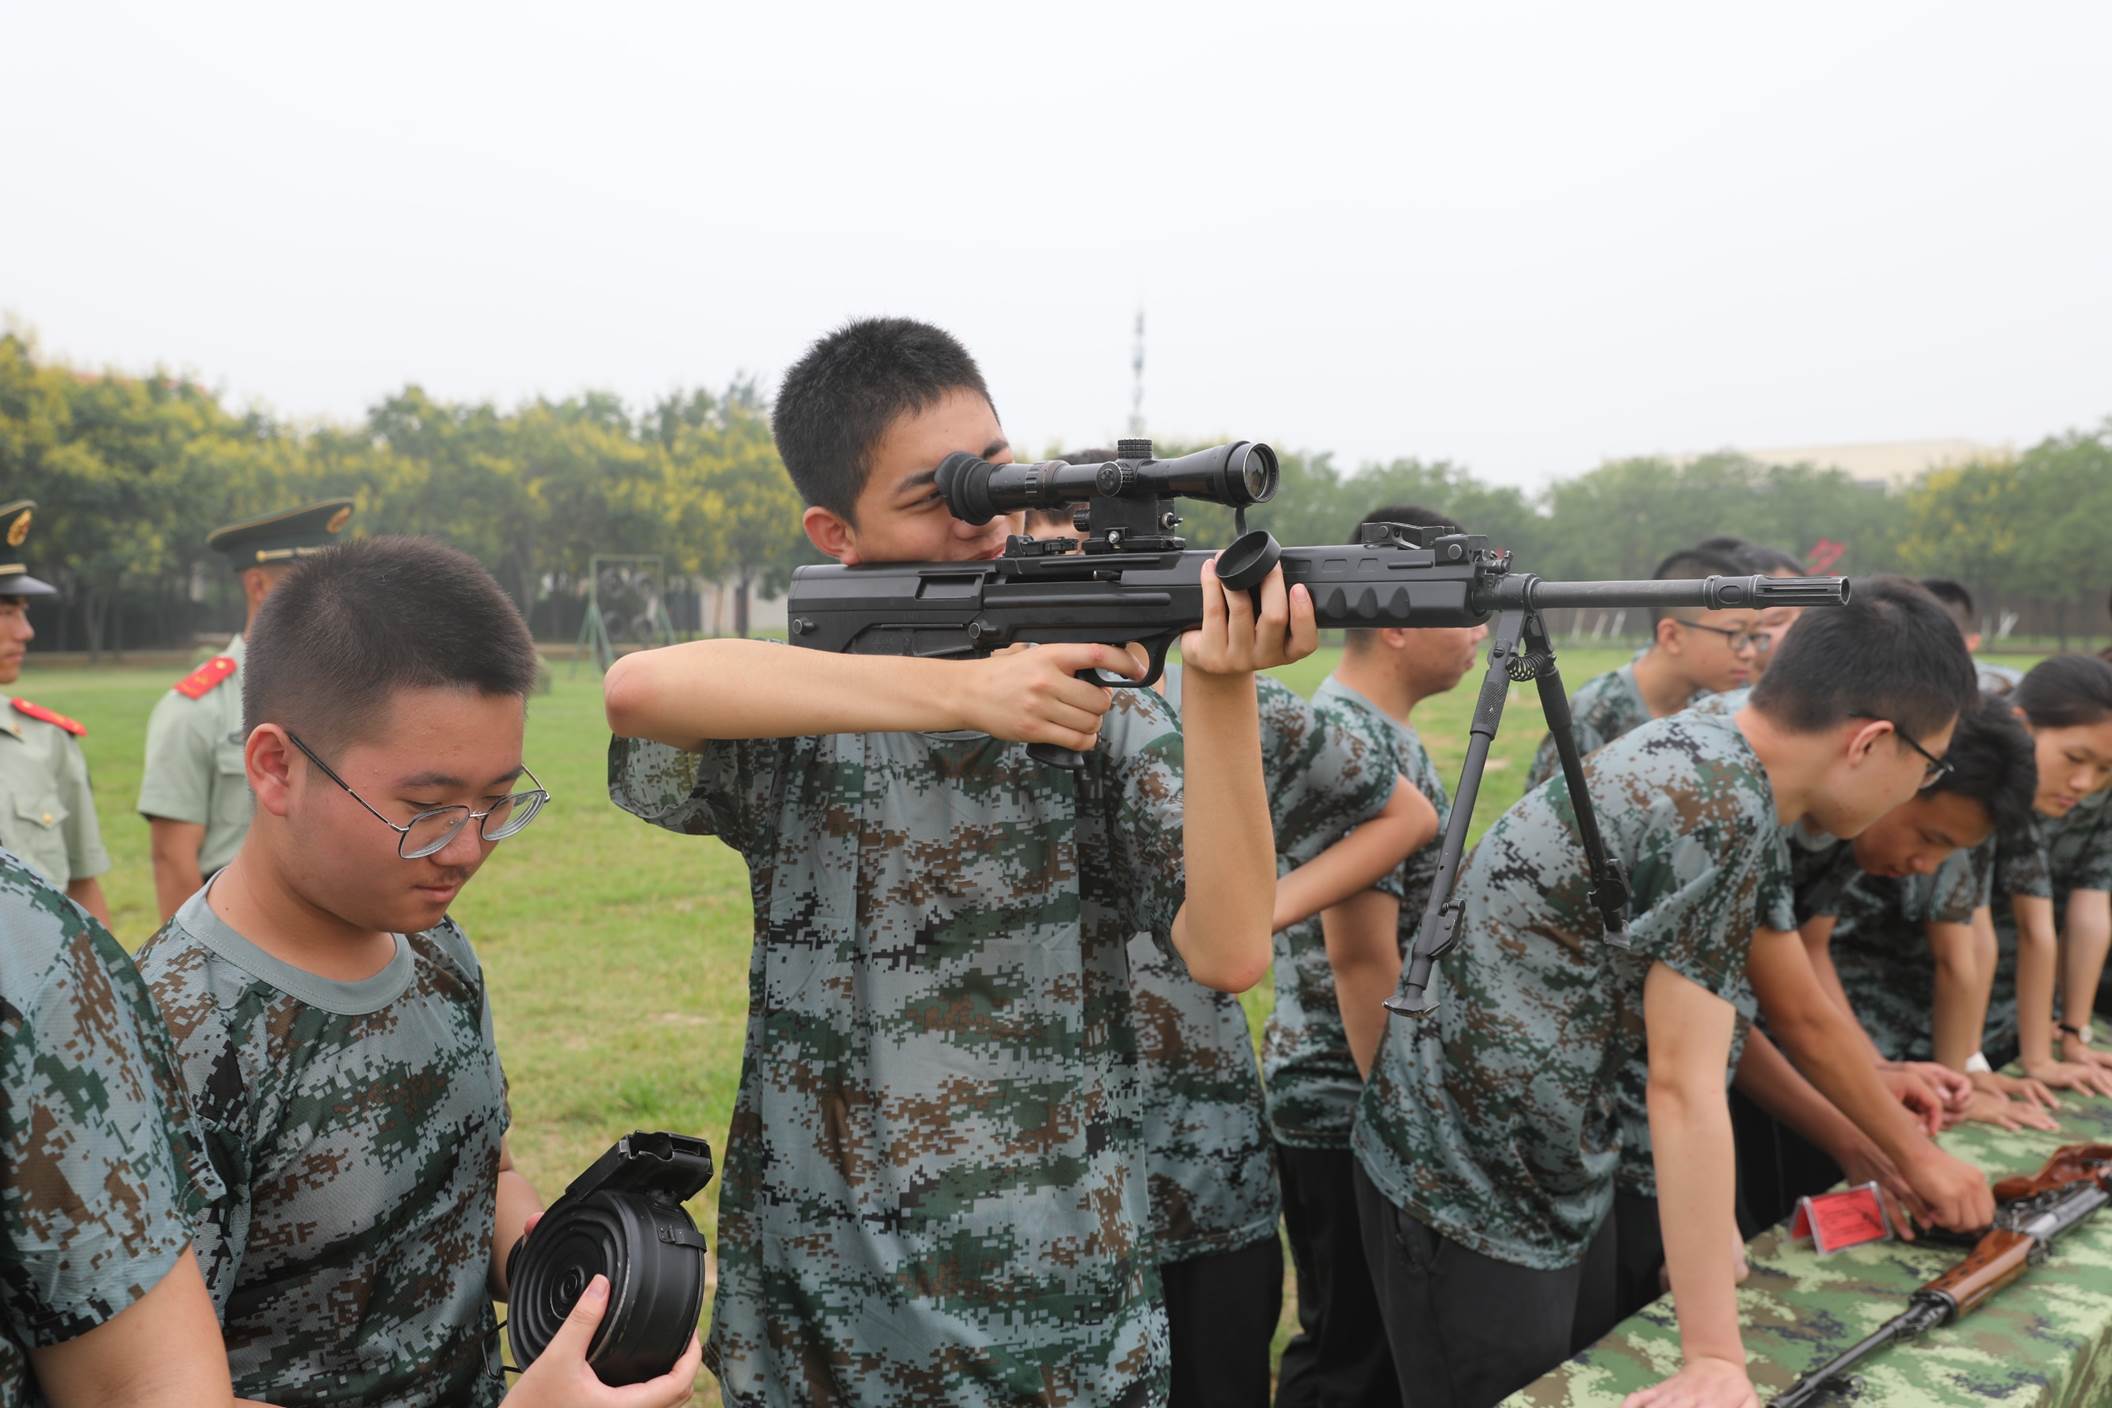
617 953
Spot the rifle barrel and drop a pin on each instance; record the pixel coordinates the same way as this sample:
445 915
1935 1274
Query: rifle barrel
1705 592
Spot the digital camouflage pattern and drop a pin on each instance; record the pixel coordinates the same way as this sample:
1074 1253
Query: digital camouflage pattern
101 1157
1494 1121
934 1186
1880 946
2043 1342
356 1127
194 771
1312 1081
2051 858
47 811
1603 708
1212 1172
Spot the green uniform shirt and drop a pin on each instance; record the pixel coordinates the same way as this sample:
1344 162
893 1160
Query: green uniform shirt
1880 946
194 764
1312 1080
1212 1173
356 1127
100 1158
1603 708
2051 858
47 813
934 1186
1495 1120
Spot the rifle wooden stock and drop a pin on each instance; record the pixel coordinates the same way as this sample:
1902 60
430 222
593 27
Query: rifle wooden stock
2071 1163
1999 1258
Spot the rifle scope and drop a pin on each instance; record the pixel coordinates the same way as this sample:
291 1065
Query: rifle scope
1241 473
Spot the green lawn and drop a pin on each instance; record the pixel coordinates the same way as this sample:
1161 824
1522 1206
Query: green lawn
617 953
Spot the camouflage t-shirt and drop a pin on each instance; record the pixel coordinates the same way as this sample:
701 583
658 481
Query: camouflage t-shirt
101 1162
1213 1175
1603 708
1312 1080
2050 858
1880 946
356 1126
934 1186
1495 1120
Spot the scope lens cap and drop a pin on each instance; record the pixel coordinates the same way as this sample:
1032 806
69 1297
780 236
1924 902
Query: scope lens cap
1244 564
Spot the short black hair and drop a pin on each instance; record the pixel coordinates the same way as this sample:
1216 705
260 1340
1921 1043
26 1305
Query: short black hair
1753 559
850 386
1891 653
1993 763
1955 598
2065 691
1414 514
353 624
1691 565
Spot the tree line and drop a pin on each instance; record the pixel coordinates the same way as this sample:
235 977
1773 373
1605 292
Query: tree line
132 472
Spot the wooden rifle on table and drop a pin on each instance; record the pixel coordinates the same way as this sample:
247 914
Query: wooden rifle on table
2036 1209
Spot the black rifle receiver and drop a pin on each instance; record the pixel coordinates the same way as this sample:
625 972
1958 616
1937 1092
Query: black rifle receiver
1134 579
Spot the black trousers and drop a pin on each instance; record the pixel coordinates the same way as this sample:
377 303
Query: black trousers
1467 1330
1339 1357
1776 1166
1222 1309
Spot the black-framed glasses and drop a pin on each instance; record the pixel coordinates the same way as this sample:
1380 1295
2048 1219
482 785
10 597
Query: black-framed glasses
1939 768
430 830
1740 641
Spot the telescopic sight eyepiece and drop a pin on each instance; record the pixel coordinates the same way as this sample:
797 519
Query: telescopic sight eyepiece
1241 473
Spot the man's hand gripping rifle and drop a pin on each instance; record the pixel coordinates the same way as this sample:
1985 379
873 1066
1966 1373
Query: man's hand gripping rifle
1132 579
2035 1209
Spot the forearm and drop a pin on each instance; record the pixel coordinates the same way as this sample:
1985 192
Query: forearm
2085 939
176 876
88 894
1690 1132
1222 930
1965 974
721 689
1766 1077
1817 935
1364 952
2038 958
1832 1051
517 1203
1359 860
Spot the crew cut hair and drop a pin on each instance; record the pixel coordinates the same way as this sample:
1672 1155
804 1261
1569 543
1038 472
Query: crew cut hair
1755 558
2065 691
1356 639
1692 565
1891 653
1955 598
353 624
839 399
1993 763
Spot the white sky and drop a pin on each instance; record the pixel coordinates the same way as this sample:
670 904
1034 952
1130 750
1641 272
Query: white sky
1527 237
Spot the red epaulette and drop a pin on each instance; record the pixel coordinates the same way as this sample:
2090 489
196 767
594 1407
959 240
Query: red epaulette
51 716
206 678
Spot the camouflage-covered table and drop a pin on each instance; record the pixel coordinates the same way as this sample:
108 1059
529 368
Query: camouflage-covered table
2045 1342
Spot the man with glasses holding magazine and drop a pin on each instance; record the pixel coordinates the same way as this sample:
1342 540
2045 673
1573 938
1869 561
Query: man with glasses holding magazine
332 1021
1691 653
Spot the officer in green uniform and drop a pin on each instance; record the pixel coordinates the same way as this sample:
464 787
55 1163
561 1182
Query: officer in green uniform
192 792
47 814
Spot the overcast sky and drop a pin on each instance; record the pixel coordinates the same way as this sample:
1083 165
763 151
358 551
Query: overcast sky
1523 237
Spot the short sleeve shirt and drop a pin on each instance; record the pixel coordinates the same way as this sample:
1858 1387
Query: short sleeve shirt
1494 1120
102 1159
356 1127
1213 1174
1880 946
1603 708
194 770
934 1186
47 811
1312 1080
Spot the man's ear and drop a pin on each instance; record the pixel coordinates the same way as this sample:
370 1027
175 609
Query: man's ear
828 531
1665 634
1864 736
268 759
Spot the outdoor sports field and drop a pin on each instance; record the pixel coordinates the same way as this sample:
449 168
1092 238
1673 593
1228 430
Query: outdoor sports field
617 953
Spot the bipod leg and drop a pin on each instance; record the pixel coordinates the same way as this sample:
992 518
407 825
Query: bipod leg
1440 926
1609 886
